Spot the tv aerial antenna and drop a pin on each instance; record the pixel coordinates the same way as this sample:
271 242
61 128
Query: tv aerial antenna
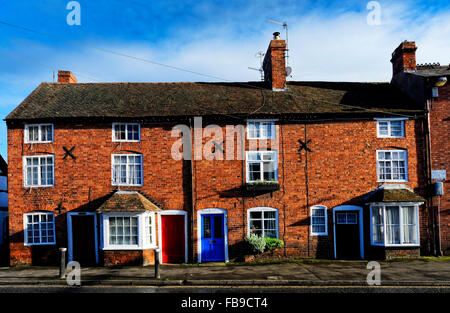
285 26
259 55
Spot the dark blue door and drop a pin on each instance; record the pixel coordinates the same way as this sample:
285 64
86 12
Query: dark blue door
213 242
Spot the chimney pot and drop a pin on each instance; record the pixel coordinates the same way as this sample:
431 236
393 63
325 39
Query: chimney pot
276 35
66 77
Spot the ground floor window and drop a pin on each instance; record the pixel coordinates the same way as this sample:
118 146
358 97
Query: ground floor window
263 222
125 231
319 220
39 228
394 224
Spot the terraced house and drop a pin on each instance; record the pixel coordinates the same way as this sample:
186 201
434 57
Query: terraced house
335 170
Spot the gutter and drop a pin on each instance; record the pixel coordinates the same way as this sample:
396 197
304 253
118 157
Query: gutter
436 249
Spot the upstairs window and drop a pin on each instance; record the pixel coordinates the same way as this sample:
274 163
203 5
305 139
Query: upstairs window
126 132
260 129
262 166
38 133
390 128
39 228
127 169
38 171
392 166
319 220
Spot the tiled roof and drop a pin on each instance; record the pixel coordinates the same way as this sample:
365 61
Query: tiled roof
145 100
127 201
394 195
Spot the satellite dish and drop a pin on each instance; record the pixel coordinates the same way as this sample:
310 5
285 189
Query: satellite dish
288 71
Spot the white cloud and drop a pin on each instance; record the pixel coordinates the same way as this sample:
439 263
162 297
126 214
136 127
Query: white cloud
322 47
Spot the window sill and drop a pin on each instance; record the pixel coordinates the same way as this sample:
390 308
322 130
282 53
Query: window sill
123 140
392 181
262 186
129 248
39 186
34 142
396 245
319 234
39 244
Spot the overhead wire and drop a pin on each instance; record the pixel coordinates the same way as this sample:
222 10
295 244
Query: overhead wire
197 73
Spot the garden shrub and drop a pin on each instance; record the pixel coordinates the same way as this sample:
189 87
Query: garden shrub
256 243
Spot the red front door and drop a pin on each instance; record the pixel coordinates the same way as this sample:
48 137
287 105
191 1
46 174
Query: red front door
172 238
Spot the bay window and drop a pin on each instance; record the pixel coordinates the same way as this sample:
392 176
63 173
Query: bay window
394 224
128 231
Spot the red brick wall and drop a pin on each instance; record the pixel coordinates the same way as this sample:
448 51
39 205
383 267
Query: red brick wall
440 157
128 257
342 167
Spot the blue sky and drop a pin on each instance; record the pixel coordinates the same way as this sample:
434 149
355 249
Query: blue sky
328 40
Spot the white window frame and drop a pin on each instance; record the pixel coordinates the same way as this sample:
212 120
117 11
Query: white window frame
325 209
400 205
392 180
247 161
389 120
262 210
25 228
127 172
114 139
27 126
141 232
262 121
24 165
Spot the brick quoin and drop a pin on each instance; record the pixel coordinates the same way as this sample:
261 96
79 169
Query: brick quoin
342 167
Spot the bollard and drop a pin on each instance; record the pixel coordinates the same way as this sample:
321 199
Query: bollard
157 275
62 267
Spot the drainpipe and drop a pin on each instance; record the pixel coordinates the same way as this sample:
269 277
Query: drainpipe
307 189
192 190
429 167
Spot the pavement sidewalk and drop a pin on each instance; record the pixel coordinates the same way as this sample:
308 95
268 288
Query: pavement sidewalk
322 273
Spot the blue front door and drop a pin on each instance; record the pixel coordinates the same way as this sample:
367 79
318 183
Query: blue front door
212 238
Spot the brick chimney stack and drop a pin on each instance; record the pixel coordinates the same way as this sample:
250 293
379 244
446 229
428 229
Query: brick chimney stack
404 57
66 77
274 64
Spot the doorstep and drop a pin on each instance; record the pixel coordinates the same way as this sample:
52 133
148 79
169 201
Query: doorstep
212 264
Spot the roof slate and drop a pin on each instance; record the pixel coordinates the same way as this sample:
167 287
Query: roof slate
432 70
141 100
394 195
127 202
